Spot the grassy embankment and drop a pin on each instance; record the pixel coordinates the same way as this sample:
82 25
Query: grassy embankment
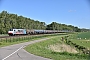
11 41
56 49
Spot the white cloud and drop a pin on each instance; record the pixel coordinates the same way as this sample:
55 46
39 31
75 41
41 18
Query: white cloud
72 11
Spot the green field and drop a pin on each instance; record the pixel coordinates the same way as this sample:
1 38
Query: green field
82 39
83 35
56 49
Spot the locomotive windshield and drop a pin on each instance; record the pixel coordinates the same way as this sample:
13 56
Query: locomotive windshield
11 29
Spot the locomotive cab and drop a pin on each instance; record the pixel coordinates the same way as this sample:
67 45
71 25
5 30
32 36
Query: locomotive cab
10 32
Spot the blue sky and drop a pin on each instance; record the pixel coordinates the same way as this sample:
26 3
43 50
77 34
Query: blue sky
70 12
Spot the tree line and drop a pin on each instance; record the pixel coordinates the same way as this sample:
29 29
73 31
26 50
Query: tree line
8 20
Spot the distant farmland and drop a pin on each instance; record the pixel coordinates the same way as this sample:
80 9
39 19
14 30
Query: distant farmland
84 35
82 39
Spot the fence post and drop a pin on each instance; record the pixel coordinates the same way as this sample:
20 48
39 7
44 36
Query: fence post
1 40
12 39
6 40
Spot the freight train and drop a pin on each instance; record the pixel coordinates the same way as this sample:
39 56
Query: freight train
13 32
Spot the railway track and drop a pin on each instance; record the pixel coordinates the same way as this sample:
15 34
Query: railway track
4 36
20 36
23 35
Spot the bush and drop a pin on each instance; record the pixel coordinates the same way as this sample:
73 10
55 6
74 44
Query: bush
71 54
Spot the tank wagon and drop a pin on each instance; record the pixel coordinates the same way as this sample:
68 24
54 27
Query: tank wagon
13 32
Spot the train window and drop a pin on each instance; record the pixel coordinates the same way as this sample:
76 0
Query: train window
11 29
18 30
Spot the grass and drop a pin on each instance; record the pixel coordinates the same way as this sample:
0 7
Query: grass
2 44
11 41
3 34
42 49
84 41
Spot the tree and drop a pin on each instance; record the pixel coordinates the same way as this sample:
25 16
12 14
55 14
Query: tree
8 21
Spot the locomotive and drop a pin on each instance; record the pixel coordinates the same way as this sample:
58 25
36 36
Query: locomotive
13 32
